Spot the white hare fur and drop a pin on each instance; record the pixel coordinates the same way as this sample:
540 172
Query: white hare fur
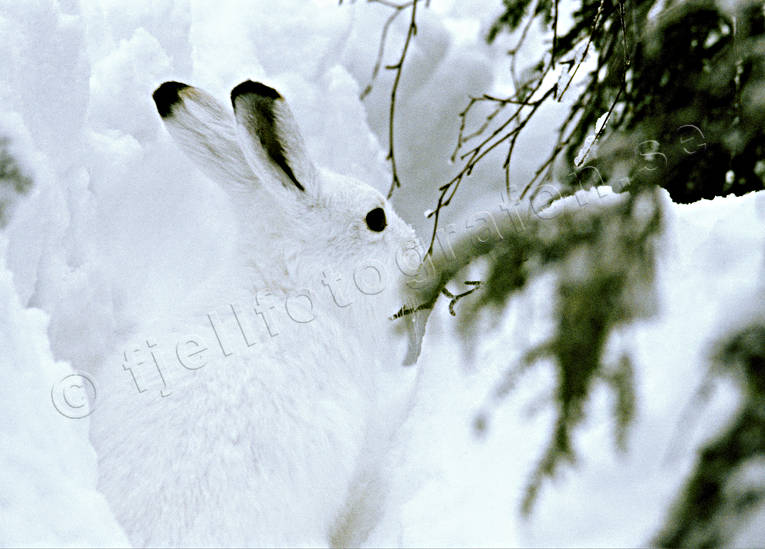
274 432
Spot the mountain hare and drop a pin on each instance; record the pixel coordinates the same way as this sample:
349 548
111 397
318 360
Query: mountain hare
258 412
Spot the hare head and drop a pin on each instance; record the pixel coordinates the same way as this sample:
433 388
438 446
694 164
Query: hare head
299 224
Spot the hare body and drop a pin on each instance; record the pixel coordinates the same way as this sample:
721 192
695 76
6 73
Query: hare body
257 413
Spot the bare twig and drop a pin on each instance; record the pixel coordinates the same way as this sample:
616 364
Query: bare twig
455 298
560 144
624 35
518 45
397 9
586 48
500 102
511 146
555 34
387 3
525 100
407 310
398 67
608 117
461 137
500 135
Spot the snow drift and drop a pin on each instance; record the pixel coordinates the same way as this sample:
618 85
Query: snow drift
117 227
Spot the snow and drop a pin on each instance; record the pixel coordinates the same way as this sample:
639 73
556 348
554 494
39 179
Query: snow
119 226
48 490
590 141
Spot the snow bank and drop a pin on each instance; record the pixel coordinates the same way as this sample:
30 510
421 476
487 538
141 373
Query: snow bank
119 226
48 493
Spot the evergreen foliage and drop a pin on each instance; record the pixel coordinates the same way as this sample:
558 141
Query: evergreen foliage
715 499
603 256
683 84
13 181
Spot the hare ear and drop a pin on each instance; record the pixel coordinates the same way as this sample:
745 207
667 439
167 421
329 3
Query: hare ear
205 131
269 137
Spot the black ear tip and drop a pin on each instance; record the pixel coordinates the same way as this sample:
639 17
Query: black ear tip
166 96
248 86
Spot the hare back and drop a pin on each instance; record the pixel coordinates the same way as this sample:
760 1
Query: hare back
272 435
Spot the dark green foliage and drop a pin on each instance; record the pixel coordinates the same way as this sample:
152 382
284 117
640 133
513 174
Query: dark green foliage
12 179
699 67
685 91
708 501
603 257
684 94
609 258
511 18
622 382
692 65
515 10
513 275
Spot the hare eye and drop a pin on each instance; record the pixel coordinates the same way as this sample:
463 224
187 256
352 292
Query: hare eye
376 220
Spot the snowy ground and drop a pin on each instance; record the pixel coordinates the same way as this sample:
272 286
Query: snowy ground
118 226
